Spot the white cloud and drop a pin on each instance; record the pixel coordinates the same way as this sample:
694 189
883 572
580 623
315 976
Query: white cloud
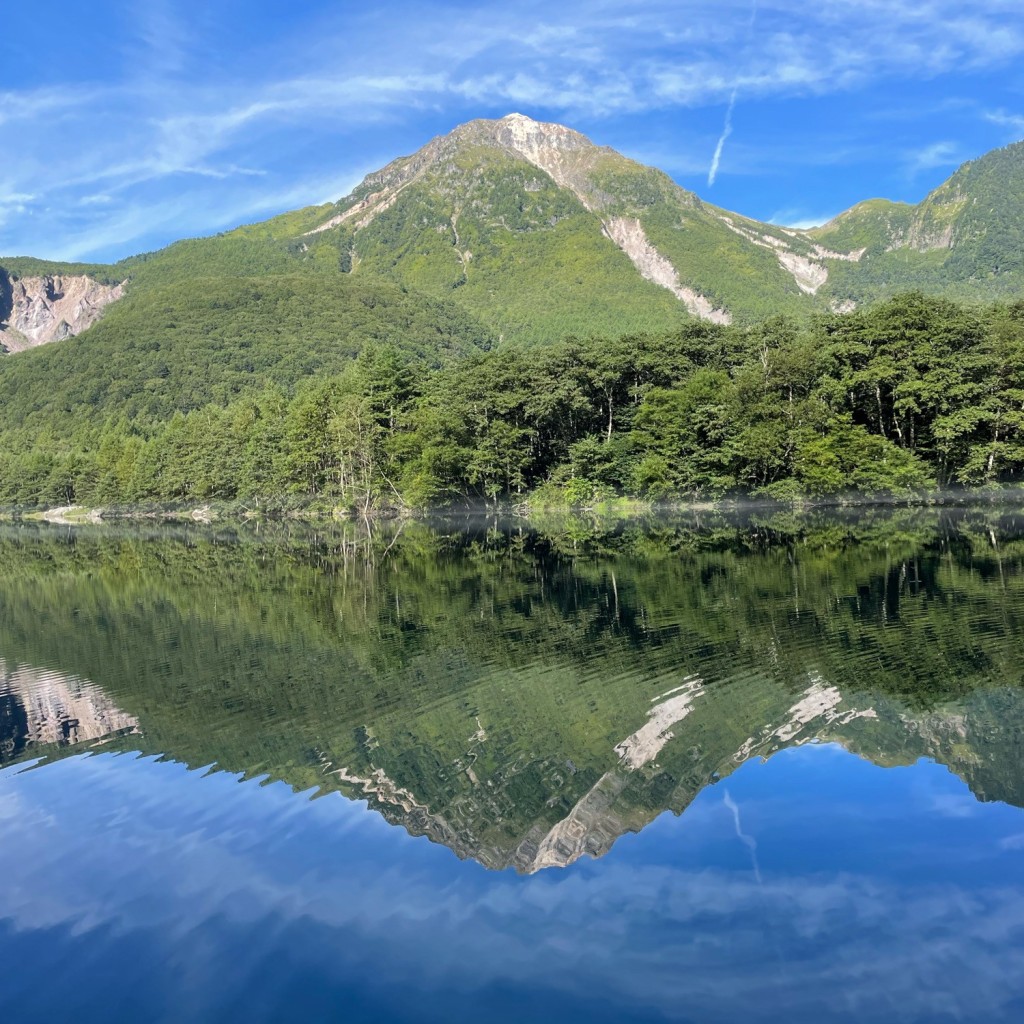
164 36
799 219
954 805
189 215
1015 122
938 154
14 203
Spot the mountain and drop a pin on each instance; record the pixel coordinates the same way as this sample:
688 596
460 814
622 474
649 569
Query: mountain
533 232
964 240
502 311
543 233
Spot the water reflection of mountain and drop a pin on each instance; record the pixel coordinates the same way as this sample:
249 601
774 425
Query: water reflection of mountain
527 698
40 710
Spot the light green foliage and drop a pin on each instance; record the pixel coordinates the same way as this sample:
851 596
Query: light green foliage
870 225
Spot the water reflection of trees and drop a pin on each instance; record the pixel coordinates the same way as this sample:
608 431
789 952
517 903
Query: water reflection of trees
287 650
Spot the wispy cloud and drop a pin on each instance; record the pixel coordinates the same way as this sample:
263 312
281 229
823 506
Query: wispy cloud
14 203
727 126
1015 122
30 106
726 132
1013 842
938 154
800 219
164 35
747 840
190 214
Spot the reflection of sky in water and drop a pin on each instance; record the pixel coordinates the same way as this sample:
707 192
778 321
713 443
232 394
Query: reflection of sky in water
136 888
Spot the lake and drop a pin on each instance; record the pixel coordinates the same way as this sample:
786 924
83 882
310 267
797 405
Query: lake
719 767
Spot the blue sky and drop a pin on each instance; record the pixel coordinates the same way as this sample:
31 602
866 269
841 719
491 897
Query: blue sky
125 125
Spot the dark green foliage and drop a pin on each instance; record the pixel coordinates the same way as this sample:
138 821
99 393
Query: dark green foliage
914 393
989 232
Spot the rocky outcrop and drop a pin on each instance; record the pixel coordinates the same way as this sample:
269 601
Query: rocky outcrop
923 237
554 149
37 310
809 274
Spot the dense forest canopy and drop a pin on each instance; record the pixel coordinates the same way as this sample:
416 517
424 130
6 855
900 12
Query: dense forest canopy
914 393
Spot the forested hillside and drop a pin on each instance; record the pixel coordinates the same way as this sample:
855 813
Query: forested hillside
965 240
511 311
241 334
912 394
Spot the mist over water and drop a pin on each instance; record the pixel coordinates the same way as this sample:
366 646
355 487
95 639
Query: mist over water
423 772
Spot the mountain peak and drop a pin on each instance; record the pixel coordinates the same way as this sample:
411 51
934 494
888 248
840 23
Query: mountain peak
548 146
525 130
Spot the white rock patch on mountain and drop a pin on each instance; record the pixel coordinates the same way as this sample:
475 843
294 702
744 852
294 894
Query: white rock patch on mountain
37 310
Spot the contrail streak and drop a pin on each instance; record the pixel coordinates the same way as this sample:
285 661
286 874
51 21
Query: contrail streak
727 127
726 132
748 841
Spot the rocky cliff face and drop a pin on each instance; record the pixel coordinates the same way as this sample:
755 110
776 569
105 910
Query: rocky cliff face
38 310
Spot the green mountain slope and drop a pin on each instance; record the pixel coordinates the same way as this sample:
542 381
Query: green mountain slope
542 233
964 240
166 348
539 233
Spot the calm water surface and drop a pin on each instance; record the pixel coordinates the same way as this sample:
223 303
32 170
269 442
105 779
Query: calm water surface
703 770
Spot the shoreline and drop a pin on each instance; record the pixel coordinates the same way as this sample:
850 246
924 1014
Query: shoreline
617 509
